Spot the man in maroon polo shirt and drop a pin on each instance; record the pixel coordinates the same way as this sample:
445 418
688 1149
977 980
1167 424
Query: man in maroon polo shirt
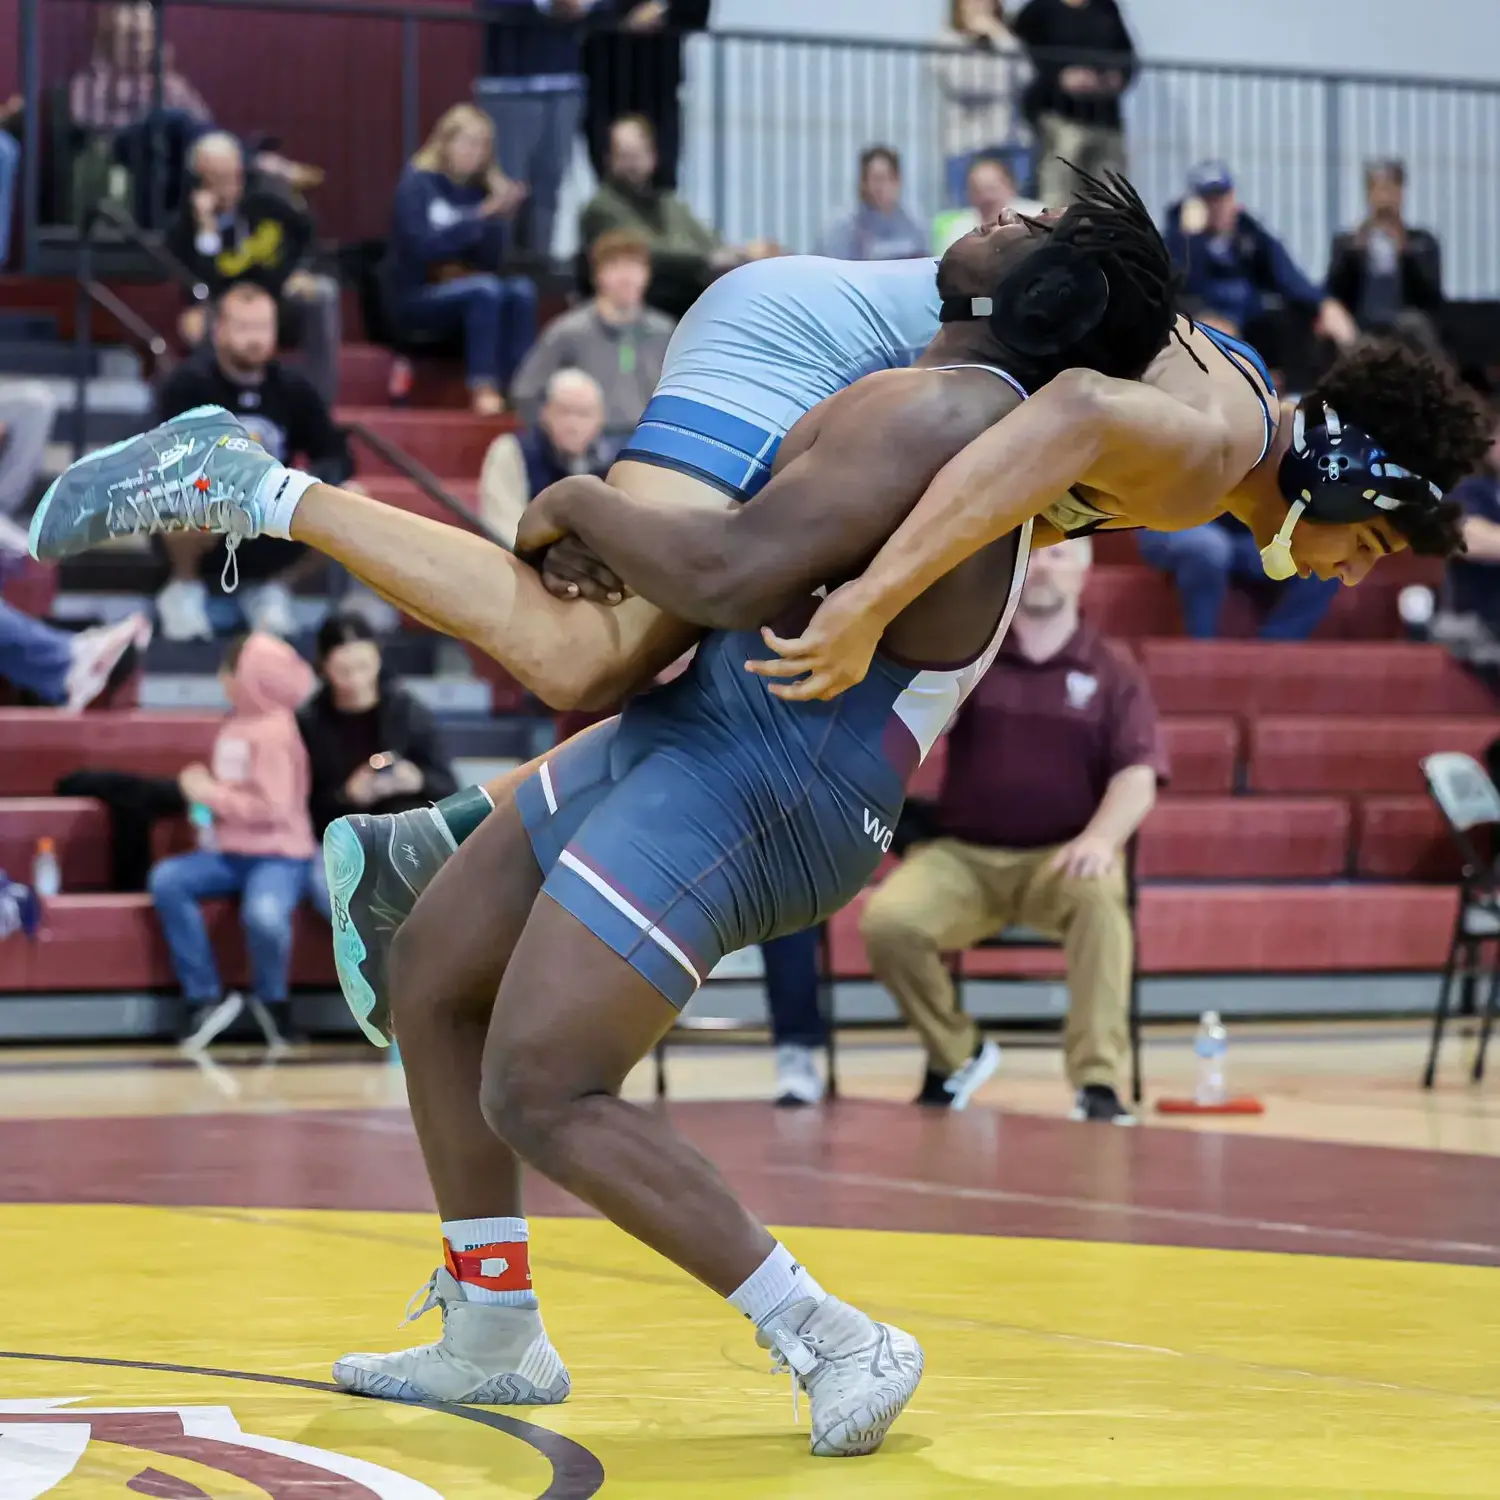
1052 764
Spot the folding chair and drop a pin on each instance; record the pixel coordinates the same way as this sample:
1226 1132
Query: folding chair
1469 803
733 1031
1016 936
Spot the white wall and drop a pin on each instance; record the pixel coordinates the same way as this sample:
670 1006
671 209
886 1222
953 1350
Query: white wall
1440 39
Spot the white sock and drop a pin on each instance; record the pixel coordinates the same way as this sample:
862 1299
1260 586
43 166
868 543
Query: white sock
777 1281
279 493
509 1238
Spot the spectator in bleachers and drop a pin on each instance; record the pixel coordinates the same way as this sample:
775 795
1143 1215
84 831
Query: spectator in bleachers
255 840
533 91
27 411
564 440
980 73
10 170
1084 61
372 747
1474 578
614 337
230 229
1239 277
636 68
685 254
1387 272
991 190
1204 559
445 269
880 228
114 99
1053 763
239 371
64 668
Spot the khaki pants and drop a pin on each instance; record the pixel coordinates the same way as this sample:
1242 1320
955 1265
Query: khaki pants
946 896
1091 147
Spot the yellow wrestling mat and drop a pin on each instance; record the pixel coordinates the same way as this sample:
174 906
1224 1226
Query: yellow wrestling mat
1055 1369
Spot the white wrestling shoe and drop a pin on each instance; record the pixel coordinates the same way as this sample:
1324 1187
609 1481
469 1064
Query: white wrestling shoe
858 1374
487 1356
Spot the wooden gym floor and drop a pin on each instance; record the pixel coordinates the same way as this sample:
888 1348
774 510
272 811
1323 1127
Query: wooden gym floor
1303 1306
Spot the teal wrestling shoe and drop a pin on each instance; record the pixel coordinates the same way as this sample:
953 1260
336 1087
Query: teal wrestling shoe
199 472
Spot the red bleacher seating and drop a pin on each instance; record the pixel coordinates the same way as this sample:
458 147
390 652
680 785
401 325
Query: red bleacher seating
1202 752
1255 678
447 443
1349 755
115 943
1245 838
38 745
79 828
1131 601
1229 929
1404 838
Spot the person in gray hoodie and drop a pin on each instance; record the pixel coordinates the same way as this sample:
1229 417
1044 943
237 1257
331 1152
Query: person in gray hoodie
880 228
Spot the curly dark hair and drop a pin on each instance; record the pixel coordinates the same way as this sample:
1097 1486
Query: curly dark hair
1425 418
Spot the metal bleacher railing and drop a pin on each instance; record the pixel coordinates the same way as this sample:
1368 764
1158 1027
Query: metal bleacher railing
772 124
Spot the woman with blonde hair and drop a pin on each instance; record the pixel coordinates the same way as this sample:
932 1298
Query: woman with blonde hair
448 241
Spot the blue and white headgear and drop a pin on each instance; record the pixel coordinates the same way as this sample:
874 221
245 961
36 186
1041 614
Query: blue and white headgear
1335 474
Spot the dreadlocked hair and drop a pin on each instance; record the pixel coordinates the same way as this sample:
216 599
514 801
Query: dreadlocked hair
1425 418
1110 225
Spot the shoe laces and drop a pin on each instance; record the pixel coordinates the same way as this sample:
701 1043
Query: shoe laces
793 1355
427 1296
199 504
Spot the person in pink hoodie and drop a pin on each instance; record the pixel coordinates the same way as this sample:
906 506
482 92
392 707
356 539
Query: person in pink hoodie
255 839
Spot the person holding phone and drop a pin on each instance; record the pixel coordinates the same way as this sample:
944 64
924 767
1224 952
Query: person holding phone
372 745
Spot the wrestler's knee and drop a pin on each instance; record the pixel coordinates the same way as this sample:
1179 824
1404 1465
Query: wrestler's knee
523 1103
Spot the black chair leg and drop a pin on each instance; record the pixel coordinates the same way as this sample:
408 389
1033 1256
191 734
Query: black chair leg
1137 1087
1491 999
1440 1016
659 1052
826 1009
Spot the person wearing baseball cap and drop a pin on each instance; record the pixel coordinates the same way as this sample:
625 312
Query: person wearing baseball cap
1239 276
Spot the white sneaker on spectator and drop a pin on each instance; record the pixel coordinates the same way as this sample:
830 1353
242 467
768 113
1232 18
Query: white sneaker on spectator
798 1081
96 653
966 1082
215 1021
380 616
12 537
269 608
182 611
261 1014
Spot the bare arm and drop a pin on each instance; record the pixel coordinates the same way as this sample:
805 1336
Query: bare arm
1081 429
817 520
1482 539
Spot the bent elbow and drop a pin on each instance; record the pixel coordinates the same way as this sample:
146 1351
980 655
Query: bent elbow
1085 395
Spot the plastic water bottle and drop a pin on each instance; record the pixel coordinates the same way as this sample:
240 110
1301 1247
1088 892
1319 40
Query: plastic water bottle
1210 1045
202 819
46 874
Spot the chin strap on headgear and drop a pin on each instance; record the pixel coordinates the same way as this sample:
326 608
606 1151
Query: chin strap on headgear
1276 556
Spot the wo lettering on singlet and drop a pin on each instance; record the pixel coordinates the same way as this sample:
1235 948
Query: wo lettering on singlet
880 832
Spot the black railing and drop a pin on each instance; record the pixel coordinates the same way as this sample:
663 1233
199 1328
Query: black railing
92 293
425 480
772 124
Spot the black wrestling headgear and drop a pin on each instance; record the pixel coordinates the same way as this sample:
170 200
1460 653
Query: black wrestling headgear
1336 474
1045 305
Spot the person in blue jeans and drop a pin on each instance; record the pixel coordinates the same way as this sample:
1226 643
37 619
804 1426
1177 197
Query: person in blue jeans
10 175
255 841
1203 559
448 241
798 1026
62 668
